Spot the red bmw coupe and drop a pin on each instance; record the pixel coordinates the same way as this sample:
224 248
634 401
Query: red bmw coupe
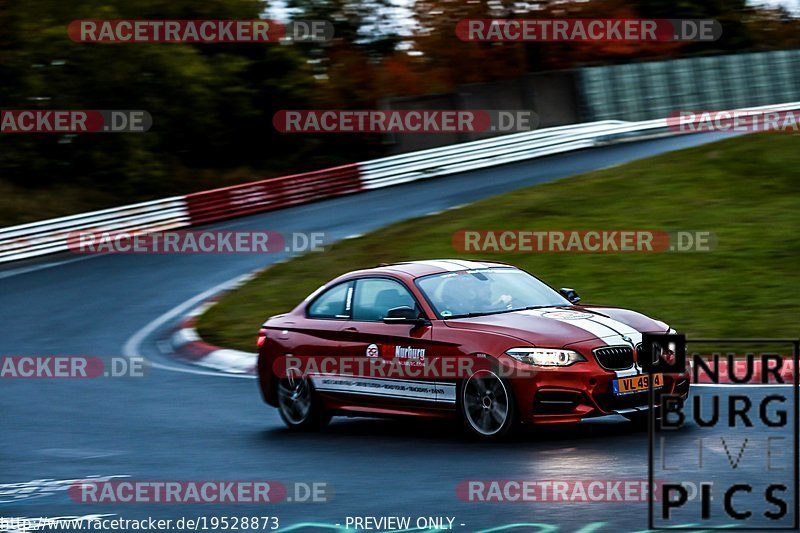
486 342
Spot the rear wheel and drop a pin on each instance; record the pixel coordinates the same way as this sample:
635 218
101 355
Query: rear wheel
487 405
298 405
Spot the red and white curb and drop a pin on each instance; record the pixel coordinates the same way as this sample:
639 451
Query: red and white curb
188 346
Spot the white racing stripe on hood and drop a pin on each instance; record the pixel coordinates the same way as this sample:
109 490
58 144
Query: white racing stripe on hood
606 329
579 319
627 331
621 327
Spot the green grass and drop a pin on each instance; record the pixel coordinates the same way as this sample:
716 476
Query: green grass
746 190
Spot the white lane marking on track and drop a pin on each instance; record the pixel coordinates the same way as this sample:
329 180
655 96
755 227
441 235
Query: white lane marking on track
28 270
132 345
26 524
40 488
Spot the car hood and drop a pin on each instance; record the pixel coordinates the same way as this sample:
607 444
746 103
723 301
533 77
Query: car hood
559 326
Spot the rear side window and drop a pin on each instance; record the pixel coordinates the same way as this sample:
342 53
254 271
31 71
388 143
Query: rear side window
333 303
374 298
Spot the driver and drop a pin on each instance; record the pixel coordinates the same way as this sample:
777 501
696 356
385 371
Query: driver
468 294
483 297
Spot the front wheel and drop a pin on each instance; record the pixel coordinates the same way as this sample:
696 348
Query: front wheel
298 406
486 403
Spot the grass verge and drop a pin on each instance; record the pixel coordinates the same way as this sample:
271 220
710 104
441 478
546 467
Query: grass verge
746 190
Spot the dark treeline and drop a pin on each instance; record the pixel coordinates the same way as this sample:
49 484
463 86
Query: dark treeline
212 105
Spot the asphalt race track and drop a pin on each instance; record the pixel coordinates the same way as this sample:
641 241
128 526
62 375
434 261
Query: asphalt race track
183 423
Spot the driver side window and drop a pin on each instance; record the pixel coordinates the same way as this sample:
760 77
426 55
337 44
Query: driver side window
374 298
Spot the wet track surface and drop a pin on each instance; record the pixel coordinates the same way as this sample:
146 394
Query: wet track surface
178 423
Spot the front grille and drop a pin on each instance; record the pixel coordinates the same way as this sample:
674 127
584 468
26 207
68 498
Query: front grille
614 357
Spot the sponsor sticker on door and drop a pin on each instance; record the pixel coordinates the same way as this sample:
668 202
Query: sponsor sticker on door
373 351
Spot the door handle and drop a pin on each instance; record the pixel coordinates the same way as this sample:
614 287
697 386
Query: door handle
351 330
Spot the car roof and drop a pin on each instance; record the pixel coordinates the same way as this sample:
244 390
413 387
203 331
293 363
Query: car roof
417 269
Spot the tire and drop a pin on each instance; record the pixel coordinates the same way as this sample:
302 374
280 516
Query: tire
298 405
487 406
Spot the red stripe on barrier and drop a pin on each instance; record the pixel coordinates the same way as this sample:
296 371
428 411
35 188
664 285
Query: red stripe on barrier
274 193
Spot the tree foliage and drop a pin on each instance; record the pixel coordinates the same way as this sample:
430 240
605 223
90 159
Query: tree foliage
212 105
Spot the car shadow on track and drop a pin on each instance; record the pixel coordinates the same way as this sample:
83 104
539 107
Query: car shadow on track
353 431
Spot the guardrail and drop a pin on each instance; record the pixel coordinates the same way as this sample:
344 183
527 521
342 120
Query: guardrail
437 162
275 193
56 235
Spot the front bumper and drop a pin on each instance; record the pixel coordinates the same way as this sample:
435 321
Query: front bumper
583 390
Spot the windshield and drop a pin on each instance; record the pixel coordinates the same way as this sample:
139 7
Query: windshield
487 291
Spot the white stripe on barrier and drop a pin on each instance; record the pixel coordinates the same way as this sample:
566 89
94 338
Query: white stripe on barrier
50 236
473 155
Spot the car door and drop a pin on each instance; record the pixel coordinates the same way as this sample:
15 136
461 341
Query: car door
401 348
317 336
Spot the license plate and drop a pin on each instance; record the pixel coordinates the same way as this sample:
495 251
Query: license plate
636 384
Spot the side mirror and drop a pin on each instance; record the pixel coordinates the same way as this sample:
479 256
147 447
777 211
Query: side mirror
570 294
404 315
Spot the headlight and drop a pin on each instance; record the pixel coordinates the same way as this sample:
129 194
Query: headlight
545 356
